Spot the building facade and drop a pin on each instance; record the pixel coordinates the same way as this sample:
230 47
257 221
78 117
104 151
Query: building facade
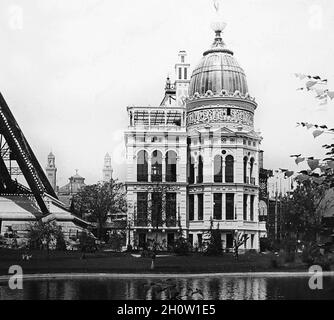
193 161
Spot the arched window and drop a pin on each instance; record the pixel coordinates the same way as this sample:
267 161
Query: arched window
191 176
142 166
252 179
229 169
218 169
200 170
156 166
245 170
171 166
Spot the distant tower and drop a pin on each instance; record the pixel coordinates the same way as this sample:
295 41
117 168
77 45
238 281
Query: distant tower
51 171
182 78
107 169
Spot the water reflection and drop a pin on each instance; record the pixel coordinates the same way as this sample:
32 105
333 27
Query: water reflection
220 288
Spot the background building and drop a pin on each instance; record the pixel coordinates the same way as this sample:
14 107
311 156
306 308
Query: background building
107 168
66 192
190 161
51 171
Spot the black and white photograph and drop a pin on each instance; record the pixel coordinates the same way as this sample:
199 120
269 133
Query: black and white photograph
179 152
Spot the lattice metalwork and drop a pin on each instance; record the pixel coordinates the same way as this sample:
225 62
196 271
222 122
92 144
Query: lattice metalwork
15 150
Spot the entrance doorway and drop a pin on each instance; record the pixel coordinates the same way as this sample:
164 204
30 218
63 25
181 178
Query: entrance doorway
229 240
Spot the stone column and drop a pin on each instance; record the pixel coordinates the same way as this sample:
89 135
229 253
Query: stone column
248 207
149 163
163 168
163 214
256 244
224 206
149 209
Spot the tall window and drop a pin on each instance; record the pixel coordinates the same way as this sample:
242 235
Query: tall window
171 209
229 169
229 206
156 209
217 206
185 73
245 170
245 207
171 166
180 73
200 170
200 206
252 208
191 177
252 180
141 218
218 169
142 166
191 207
156 172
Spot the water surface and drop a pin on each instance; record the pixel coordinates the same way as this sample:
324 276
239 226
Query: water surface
216 288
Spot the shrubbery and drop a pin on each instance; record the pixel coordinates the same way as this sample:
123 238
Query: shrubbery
181 246
213 241
87 242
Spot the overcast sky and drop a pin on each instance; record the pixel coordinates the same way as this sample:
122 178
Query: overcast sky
69 68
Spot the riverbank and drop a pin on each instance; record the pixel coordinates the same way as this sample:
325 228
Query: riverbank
125 263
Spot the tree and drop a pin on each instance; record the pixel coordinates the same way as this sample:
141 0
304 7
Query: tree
98 201
42 234
302 212
181 246
86 243
238 240
213 240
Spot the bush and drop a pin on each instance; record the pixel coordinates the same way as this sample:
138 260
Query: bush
45 235
274 263
116 240
60 242
181 246
289 257
265 245
325 262
310 254
87 242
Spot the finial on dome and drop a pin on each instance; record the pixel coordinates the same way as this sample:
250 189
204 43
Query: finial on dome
218 25
217 5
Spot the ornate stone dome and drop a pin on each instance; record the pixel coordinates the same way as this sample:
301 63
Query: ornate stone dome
218 71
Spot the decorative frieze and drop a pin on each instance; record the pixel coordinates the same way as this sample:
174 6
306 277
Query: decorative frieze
226 114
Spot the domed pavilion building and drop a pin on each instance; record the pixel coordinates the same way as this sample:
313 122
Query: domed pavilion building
193 161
